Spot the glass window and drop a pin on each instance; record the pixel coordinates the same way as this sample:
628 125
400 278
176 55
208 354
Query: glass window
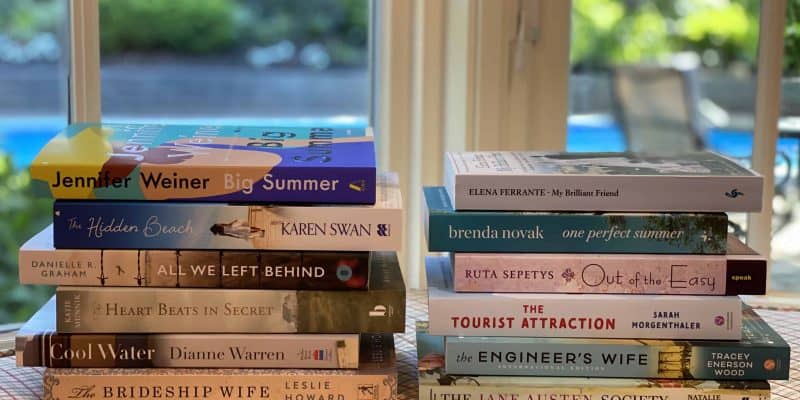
785 271
32 109
649 74
235 61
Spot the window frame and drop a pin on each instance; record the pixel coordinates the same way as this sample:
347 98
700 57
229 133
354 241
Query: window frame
84 61
765 131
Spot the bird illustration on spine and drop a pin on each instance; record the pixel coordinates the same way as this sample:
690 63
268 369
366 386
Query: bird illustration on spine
237 229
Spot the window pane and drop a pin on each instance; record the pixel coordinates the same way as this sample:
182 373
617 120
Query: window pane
235 61
785 252
651 73
32 110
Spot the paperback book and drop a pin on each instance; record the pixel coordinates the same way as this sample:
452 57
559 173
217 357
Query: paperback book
740 271
182 225
761 355
40 263
561 315
540 232
209 164
38 344
537 181
437 384
380 309
375 379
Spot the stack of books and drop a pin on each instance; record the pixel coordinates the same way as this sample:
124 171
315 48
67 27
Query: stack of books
593 276
215 262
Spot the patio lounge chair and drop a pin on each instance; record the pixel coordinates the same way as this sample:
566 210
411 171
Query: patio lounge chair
658 110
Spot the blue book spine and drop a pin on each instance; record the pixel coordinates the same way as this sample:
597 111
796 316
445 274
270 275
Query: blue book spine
537 232
169 225
209 164
758 359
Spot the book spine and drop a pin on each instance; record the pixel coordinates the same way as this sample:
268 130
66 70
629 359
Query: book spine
144 385
578 192
488 392
161 310
586 316
210 164
579 316
149 225
190 351
324 185
606 273
66 267
488 232
669 360
195 268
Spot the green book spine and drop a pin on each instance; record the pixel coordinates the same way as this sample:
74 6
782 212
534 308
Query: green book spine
436 383
537 232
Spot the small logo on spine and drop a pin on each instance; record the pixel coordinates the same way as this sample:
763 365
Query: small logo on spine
316 354
719 320
358 186
344 272
381 311
321 354
568 275
384 229
734 193
367 392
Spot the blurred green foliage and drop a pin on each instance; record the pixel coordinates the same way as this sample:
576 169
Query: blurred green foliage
184 26
23 19
23 214
340 25
791 53
608 32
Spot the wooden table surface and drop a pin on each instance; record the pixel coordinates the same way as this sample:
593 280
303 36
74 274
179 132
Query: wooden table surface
26 383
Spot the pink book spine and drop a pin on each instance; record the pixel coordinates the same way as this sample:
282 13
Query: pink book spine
591 273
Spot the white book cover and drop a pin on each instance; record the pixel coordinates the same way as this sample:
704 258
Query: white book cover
576 315
539 181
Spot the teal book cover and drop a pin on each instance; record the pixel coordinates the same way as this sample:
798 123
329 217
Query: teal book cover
569 232
435 383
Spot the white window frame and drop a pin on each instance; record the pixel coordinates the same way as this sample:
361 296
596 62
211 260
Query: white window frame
767 113
84 61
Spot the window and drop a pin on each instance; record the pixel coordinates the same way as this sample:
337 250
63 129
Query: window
32 109
235 61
